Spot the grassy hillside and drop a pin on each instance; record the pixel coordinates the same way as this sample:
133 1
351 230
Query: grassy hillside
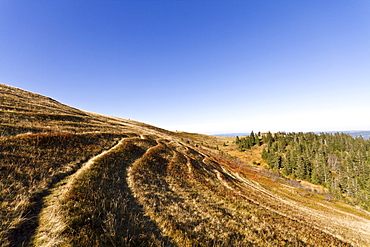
74 178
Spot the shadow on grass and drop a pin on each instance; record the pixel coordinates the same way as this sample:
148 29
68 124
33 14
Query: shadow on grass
22 234
101 210
123 218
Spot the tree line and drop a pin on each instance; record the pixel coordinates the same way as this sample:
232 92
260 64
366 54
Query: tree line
337 161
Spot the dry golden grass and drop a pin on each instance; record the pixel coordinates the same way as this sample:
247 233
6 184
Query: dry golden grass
203 203
30 165
132 184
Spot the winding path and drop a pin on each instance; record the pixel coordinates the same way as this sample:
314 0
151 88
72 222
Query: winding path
51 222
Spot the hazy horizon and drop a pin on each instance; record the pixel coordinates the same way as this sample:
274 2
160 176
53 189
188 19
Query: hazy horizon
209 67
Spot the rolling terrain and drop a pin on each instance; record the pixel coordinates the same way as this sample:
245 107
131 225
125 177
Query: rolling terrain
75 178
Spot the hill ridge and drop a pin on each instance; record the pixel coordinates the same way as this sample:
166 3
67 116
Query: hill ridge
146 186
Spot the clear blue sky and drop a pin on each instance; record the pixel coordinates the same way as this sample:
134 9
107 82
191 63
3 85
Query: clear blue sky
197 66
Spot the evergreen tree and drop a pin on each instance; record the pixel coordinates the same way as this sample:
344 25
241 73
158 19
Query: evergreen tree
336 161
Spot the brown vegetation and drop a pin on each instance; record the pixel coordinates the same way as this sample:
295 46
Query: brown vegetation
131 184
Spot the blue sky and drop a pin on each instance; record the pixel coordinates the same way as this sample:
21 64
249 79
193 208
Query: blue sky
197 66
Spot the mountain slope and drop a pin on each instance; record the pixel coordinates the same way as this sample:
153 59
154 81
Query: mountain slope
74 178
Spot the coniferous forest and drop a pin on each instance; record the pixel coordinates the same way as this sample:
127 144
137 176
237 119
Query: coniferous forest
337 161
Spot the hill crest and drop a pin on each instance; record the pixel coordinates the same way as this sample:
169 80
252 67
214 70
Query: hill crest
73 177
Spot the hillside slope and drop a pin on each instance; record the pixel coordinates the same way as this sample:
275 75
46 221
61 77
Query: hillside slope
74 178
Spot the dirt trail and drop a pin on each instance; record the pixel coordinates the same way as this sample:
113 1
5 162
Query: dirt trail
51 222
159 192
333 221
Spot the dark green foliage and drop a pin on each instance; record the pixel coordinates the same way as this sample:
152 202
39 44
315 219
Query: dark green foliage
248 141
336 161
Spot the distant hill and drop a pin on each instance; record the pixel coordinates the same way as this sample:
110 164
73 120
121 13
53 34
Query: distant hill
232 134
364 133
355 133
75 178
